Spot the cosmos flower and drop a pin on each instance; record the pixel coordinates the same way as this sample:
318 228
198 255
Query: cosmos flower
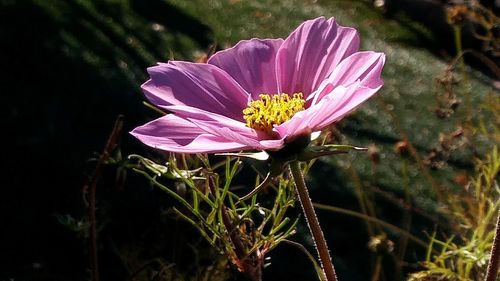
261 94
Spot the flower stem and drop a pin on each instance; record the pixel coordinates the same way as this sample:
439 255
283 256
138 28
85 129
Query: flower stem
492 271
312 222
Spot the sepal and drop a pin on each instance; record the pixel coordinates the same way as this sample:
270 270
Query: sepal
165 170
313 152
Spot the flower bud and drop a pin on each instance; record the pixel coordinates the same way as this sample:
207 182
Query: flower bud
381 244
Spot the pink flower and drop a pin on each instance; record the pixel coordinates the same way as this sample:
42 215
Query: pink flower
262 93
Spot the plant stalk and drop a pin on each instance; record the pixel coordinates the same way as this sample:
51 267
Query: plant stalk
91 187
492 271
457 30
312 222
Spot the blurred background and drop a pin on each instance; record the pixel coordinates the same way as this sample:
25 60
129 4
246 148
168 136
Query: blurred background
71 67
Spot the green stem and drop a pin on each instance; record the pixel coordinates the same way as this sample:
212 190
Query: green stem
457 31
492 271
319 270
312 222
375 220
403 242
361 199
378 269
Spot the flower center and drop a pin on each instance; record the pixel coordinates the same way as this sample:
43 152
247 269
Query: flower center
269 110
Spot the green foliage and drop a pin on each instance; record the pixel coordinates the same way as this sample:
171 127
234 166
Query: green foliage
464 257
243 232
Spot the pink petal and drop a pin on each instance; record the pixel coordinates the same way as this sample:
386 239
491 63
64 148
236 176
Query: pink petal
300 122
365 67
331 111
252 64
311 52
331 108
228 128
198 85
191 113
171 133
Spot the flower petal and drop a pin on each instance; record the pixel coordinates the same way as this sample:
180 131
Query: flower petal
311 53
172 133
198 85
365 67
228 128
252 64
331 108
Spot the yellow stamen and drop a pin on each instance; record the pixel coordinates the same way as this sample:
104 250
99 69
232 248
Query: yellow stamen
269 110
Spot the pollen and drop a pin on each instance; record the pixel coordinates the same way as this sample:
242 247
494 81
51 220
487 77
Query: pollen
267 111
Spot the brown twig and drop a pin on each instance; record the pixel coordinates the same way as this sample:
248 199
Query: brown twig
484 59
249 264
91 188
492 271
